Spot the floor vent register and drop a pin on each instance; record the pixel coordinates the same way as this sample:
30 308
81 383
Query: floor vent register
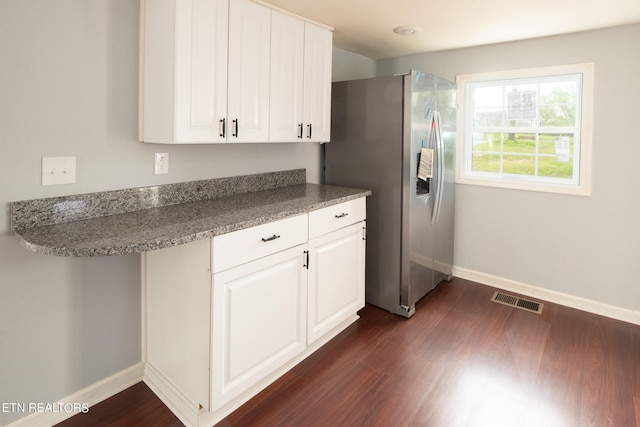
524 304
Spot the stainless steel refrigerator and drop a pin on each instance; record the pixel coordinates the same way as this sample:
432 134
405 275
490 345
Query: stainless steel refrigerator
378 131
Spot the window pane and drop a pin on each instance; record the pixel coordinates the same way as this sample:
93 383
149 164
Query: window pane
490 96
487 117
552 168
489 142
521 100
519 165
558 104
520 143
546 144
485 163
560 163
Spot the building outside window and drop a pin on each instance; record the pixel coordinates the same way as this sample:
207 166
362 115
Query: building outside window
527 129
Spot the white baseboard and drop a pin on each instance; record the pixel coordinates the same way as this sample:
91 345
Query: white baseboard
555 297
89 396
177 402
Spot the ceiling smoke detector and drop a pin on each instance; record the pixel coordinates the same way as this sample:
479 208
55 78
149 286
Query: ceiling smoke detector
407 30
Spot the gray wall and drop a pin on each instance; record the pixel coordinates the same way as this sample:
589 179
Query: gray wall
587 247
351 66
68 87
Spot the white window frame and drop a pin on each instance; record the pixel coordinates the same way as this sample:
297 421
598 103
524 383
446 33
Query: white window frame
582 148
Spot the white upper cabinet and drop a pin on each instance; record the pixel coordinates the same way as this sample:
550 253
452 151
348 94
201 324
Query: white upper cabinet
183 71
215 71
249 58
300 80
317 83
287 80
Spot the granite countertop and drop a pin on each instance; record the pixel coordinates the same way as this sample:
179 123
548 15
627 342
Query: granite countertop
174 224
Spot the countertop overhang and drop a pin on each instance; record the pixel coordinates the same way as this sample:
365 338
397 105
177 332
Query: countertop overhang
165 226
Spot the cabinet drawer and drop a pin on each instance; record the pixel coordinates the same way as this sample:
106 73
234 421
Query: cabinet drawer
256 242
326 220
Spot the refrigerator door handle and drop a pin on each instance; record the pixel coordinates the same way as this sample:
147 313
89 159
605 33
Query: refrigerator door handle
439 168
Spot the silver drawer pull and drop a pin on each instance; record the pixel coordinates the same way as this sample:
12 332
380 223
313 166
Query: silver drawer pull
342 215
268 239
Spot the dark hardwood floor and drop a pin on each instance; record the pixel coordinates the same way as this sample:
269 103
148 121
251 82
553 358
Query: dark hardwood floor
462 360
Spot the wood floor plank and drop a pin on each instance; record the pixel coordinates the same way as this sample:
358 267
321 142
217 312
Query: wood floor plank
560 381
460 361
135 406
527 338
609 383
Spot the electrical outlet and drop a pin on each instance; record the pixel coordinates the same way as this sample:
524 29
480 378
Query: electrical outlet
161 164
58 170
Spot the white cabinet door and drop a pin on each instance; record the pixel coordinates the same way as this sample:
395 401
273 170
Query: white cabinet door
300 80
317 83
336 278
287 60
183 96
259 321
201 70
248 80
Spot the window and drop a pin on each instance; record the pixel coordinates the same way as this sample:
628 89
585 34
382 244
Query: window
527 129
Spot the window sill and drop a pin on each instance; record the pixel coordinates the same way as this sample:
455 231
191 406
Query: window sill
573 190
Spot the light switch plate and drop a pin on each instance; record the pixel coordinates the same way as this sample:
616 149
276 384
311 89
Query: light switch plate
58 170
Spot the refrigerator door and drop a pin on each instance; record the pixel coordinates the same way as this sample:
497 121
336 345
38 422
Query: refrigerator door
420 194
444 228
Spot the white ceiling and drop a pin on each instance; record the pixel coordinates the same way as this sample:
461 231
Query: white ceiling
365 26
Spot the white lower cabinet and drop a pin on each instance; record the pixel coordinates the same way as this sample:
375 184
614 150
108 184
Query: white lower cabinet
224 317
177 310
259 321
336 279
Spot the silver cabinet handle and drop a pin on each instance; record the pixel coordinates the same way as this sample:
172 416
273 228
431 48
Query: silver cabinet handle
342 215
268 239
